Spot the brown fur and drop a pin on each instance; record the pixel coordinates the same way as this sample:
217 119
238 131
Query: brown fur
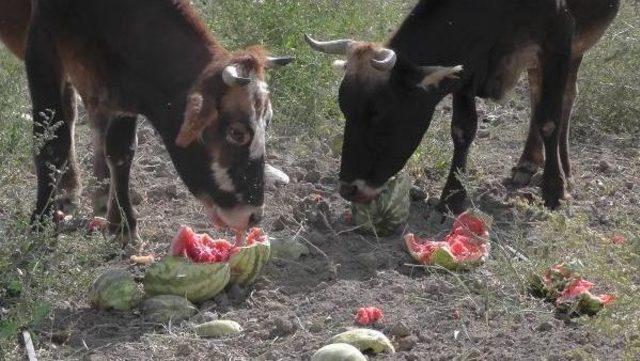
164 65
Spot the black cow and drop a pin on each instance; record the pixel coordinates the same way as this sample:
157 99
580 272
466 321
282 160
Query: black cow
144 57
470 48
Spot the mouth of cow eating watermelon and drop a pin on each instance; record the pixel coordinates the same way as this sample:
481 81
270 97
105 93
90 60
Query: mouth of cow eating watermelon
202 248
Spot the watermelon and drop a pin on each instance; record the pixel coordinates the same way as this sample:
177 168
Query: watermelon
365 340
199 267
465 247
247 262
178 276
576 297
338 352
563 285
390 210
115 290
165 308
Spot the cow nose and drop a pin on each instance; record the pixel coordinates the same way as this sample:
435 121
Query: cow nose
256 217
348 191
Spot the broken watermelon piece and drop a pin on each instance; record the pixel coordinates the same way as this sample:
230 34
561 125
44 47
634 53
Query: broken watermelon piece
577 297
555 279
368 315
199 267
466 246
563 285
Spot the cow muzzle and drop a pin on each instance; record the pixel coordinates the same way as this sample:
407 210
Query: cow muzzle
239 218
358 191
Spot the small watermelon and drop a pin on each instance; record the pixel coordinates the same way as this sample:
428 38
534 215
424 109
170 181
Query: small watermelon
390 210
338 352
115 289
165 308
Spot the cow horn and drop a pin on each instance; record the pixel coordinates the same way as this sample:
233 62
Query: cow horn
276 62
231 78
388 61
336 47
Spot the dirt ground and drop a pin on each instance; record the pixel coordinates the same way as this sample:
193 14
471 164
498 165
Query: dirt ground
297 305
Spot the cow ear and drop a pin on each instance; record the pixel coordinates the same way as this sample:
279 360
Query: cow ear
433 75
197 117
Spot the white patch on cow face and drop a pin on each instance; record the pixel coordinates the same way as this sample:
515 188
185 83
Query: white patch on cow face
257 148
222 178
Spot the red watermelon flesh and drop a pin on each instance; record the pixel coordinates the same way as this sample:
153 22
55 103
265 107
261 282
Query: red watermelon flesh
466 244
581 287
201 248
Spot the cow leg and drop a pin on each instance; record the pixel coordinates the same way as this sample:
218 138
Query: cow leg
532 158
52 130
567 107
120 146
548 114
463 131
100 193
70 181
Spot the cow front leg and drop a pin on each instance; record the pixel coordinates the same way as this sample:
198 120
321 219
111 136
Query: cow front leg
548 116
100 190
120 146
567 107
532 158
52 129
70 181
464 126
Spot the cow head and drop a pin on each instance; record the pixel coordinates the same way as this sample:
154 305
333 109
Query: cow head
222 137
388 103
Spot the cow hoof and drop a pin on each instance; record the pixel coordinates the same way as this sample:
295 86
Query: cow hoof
129 242
99 203
521 177
525 174
67 204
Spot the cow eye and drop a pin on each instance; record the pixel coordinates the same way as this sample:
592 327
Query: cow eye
238 134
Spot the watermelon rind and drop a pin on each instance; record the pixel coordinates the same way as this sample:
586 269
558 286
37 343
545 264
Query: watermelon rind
115 290
365 339
247 263
390 210
178 276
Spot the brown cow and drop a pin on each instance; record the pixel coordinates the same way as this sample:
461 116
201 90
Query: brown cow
146 57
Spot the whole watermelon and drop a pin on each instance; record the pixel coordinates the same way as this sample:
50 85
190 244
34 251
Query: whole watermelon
115 289
167 308
385 214
178 276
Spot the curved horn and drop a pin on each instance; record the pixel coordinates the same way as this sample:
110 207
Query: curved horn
276 62
337 47
388 62
231 78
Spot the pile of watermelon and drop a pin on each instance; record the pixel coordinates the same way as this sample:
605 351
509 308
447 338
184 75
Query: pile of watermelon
197 269
563 285
466 246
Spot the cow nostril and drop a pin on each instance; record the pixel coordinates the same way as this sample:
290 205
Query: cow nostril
348 191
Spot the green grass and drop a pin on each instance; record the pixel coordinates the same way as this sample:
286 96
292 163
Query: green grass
609 92
38 273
